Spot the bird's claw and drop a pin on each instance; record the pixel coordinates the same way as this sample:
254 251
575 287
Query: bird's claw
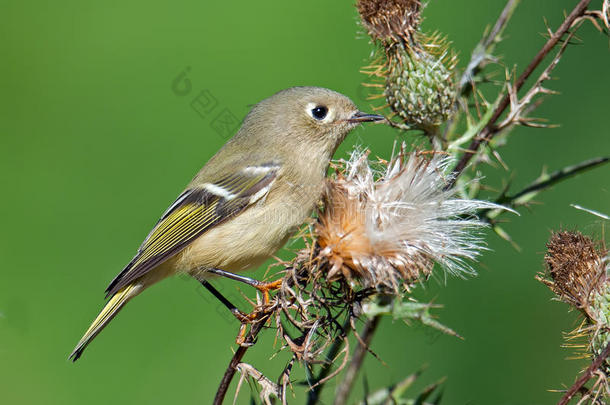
259 314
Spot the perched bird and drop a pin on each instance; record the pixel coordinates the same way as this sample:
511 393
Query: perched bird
246 201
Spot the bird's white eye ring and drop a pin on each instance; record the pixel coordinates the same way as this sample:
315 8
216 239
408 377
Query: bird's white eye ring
319 112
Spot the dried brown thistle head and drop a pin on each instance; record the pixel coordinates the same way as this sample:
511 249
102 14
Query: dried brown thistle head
576 268
382 227
395 20
344 241
386 228
579 276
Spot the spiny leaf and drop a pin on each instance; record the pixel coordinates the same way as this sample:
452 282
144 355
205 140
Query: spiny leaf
393 394
408 311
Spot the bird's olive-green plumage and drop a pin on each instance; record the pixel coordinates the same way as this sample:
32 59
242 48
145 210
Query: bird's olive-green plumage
247 200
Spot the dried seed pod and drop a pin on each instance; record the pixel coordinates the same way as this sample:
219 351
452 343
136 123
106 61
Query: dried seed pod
576 268
390 20
344 240
390 230
417 69
578 274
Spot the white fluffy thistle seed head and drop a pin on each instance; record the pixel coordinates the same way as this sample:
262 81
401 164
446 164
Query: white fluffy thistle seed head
388 227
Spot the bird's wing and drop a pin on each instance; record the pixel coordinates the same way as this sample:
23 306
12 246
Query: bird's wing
195 211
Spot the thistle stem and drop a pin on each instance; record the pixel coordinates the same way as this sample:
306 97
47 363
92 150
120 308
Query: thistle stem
313 397
347 384
544 183
586 376
488 132
235 360
483 49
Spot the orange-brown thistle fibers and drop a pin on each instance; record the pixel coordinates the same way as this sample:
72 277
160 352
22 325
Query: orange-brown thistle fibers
343 240
387 227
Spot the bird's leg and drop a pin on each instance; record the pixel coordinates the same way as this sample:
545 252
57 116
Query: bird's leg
259 285
243 318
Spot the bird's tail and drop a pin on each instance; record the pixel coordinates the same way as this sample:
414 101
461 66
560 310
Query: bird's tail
112 308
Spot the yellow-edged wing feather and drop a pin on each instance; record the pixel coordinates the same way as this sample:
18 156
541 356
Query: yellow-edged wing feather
112 307
194 212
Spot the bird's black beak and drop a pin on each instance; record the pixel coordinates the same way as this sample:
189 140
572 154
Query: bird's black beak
359 117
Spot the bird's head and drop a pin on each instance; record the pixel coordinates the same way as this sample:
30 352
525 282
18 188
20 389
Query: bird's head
311 116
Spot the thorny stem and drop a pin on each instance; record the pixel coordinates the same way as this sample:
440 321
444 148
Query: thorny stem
255 328
586 376
481 52
507 12
235 360
556 177
488 132
314 394
544 183
344 389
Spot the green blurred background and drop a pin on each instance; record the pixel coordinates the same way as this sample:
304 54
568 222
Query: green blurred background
95 144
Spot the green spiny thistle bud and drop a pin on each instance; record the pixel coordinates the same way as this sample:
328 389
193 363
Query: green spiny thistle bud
419 87
600 306
417 69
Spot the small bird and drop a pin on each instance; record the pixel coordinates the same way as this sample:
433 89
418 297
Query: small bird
246 202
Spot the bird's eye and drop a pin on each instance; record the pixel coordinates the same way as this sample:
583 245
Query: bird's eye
319 112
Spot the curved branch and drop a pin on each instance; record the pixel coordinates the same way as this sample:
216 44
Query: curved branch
488 132
352 371
586 376
235 360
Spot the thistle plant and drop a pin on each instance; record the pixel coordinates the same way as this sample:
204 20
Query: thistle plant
417 69
387 226
380 230
578 273
391 231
